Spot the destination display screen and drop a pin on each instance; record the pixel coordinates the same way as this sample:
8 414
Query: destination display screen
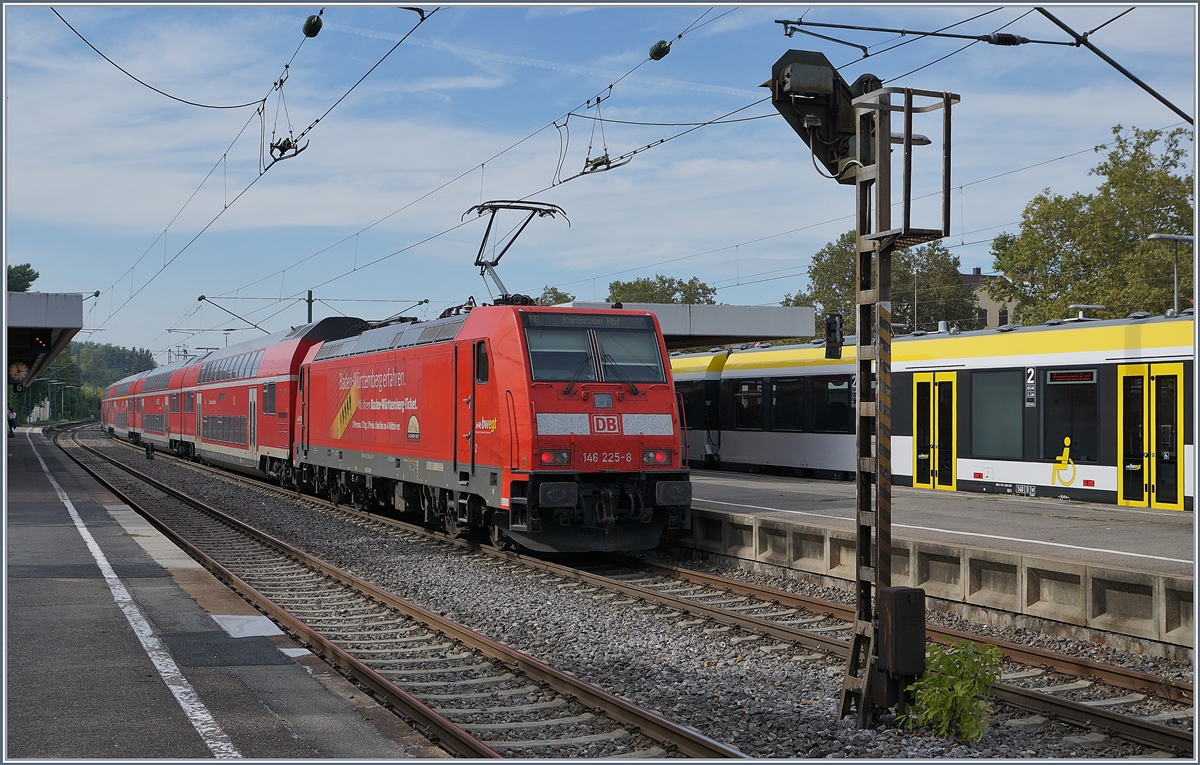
586 321
1084 376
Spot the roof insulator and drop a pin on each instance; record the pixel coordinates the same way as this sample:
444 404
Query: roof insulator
1006 328
1139 315
659 50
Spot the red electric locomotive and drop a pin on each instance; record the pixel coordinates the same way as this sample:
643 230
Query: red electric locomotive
553 428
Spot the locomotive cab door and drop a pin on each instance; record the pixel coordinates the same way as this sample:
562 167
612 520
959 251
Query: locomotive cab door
1149 417
935 431
477 407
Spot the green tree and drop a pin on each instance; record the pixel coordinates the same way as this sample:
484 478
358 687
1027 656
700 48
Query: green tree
662 289
554 296
21 277
1093 248
101 365
940 295
927 278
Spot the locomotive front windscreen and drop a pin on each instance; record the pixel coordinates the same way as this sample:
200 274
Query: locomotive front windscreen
563 347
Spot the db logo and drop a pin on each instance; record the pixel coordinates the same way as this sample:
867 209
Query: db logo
606 424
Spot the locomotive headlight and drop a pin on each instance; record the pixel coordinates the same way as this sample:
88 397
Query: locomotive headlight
555 457
656 457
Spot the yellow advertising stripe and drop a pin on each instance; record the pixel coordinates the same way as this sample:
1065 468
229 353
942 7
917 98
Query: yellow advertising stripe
345 413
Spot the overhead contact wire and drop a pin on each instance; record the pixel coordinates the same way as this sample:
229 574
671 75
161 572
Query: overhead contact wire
148 85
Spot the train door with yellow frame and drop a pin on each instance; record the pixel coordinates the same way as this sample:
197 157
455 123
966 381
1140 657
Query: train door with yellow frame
1149 429
935 430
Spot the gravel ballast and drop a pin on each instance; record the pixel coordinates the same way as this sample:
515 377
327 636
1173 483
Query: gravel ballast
764 699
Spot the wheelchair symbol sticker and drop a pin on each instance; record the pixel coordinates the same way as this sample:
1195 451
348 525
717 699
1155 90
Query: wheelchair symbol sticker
1061 463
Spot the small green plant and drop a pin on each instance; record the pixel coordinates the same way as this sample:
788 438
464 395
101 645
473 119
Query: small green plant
951 697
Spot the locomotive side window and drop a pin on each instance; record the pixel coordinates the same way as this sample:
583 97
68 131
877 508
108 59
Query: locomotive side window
787 404
996 414
832 410
747 405
630 355
481 362
1070 412
560 355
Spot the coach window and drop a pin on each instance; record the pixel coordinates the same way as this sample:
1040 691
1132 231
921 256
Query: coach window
997 410
831 405
254 366
787 403
1070 412
747 405
481 362
189 399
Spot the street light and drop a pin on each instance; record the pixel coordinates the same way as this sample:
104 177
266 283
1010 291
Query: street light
1176 238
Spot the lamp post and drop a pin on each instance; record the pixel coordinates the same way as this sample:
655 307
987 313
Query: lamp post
1176 238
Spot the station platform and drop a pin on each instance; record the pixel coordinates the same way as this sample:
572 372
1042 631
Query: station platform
119 645
1116 569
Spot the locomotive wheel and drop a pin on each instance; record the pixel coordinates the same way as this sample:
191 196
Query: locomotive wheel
498 538
453 527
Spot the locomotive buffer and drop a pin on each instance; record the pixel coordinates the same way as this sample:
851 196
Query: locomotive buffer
848 130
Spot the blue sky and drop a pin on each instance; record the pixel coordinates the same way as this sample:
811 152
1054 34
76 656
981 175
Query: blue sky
98 167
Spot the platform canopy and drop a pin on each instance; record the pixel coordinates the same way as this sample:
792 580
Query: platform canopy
40 324
690 325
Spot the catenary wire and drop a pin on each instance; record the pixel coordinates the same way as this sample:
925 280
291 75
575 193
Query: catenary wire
469 171
960 50
828 222
262 172
151 87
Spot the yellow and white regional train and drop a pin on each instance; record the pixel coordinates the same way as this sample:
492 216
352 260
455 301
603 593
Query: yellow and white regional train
1089 410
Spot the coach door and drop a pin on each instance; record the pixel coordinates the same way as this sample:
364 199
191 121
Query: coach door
252 422
935 402
1149 418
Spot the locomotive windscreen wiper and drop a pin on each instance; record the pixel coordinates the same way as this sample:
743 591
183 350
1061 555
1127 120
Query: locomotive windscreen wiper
608 360
583 366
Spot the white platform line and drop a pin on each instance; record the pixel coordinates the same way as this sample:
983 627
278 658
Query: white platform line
197 713
959 533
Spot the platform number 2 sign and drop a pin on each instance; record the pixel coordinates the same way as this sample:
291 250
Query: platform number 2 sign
1030 388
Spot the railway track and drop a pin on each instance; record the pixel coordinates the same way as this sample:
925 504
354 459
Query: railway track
1127 703
475 696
